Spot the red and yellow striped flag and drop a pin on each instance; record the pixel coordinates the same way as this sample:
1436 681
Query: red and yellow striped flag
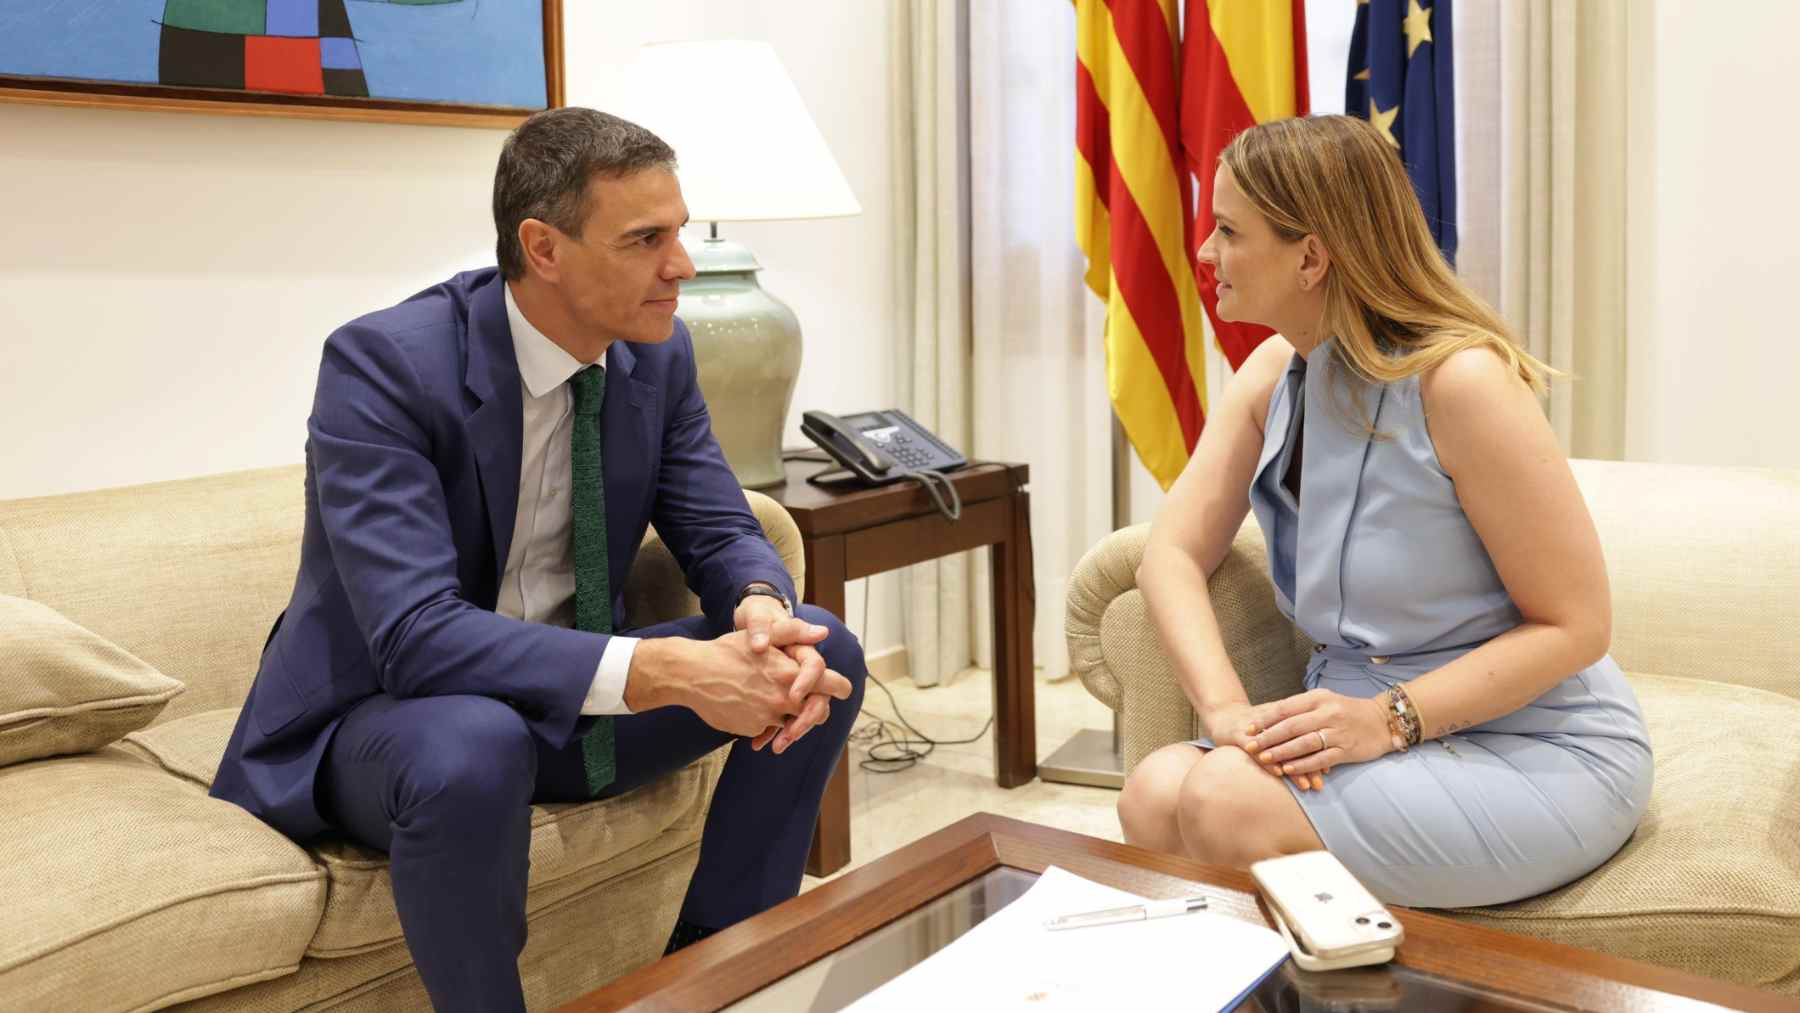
1243 63
1133 212
1153 109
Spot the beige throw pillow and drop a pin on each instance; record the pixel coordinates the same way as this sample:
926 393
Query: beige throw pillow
66 690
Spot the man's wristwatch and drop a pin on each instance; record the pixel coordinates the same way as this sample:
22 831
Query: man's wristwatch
763 587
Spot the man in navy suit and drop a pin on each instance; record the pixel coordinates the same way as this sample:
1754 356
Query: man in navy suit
482 461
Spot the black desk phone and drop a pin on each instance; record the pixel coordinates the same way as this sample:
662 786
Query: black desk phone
880 447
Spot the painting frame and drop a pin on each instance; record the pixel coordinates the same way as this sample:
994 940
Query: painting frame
170 98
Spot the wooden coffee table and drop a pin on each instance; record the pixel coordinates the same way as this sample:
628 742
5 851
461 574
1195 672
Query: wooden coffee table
841 940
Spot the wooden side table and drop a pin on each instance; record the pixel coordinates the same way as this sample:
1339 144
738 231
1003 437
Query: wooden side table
858 532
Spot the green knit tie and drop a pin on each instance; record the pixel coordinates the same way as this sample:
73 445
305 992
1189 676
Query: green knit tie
593 594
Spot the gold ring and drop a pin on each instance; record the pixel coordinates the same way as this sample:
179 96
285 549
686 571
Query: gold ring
1320 732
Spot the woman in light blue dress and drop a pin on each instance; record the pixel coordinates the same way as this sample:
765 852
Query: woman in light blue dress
1464 738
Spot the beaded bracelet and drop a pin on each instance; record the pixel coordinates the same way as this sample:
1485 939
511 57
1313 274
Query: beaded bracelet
1402 718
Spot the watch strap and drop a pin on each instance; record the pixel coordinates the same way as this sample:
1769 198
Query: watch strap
763 587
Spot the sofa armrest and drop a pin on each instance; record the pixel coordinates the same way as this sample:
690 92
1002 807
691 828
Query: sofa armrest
657 590
1114 648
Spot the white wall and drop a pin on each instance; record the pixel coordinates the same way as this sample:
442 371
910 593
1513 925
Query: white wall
167 280
1713 344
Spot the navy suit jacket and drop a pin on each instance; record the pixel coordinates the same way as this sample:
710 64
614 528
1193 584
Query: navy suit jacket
412 485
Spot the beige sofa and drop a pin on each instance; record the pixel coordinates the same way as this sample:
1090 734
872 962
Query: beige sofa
1705 572
125 887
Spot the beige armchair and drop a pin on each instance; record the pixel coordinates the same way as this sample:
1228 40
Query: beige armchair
1705 572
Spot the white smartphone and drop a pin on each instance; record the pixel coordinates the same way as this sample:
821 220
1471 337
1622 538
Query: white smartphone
1337 921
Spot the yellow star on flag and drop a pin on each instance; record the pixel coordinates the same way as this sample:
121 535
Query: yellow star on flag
1384 121
1418 26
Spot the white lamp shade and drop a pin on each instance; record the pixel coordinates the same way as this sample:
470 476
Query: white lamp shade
746 147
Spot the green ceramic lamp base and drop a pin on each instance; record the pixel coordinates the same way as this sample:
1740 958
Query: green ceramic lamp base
747 349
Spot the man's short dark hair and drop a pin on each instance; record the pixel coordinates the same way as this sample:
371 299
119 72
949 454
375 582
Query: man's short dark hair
547 162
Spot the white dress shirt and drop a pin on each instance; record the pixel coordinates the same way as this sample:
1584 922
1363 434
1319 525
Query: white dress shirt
538 585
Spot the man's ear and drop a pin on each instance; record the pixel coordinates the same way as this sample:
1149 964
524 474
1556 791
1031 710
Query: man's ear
538 241
1315 262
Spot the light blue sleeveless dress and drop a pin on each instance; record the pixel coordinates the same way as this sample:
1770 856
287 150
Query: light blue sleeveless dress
1379 565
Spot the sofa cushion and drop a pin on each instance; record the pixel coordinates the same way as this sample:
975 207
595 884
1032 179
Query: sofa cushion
1695 595
189 747
572 947
187 575
129 889
572 846
569 846
1710 882
66 690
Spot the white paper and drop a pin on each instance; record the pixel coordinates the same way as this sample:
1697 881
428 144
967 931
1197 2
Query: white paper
1010 961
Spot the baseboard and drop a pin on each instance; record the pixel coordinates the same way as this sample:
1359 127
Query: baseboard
890 665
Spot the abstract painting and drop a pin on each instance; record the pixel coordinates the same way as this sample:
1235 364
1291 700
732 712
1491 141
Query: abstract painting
366 59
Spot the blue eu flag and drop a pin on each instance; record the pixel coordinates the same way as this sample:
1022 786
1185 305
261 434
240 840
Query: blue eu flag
1401 80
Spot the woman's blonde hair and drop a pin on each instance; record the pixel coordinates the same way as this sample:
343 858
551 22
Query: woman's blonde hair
1393 303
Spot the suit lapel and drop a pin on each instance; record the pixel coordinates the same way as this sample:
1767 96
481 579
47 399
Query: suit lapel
496 429
496 426
627 439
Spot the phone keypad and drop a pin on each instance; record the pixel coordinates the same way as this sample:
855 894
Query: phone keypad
907 452
898 444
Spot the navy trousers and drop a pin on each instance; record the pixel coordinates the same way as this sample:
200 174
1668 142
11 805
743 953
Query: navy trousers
444 786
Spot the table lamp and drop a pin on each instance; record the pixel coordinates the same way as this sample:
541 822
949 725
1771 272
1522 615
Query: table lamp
747 151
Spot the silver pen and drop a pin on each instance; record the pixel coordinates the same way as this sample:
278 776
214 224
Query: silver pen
1133 913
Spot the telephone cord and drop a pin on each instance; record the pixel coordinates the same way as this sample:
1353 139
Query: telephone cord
890 751
934 481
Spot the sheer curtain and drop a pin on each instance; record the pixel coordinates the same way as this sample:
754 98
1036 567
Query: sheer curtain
1542 107
933 363
1001 343
1040 365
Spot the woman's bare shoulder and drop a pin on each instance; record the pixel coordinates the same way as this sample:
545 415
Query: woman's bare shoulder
1469 380
1256 380
1476 402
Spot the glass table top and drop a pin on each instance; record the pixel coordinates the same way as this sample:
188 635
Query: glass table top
846 975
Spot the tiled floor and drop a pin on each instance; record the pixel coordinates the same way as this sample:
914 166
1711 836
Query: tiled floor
889 810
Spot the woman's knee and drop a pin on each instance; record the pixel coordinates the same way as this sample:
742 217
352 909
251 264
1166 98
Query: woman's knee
1234 812
1147 804
1214 818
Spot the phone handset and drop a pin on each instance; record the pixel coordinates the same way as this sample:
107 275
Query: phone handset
905 451
845 444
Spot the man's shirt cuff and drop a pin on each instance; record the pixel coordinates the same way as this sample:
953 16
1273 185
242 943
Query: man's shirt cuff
607 694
